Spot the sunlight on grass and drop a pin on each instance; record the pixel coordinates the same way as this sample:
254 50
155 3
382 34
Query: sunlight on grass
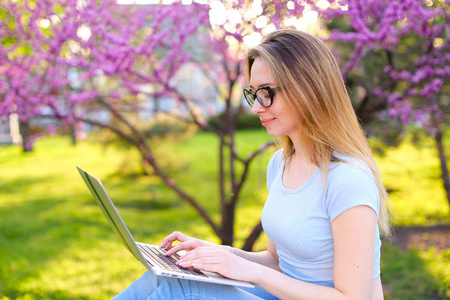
413 176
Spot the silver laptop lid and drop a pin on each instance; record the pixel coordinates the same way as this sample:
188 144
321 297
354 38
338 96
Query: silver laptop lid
109 210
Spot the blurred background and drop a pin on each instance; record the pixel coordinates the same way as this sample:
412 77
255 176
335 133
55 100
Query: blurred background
147 96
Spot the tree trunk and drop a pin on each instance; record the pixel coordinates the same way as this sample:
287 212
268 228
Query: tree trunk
25 132
227 232
443 160
73 134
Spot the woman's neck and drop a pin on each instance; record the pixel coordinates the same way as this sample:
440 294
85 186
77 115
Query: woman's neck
302 151
298 169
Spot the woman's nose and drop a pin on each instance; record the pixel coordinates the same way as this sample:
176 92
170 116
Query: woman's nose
258 108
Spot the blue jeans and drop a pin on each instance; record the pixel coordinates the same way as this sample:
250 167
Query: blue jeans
150 287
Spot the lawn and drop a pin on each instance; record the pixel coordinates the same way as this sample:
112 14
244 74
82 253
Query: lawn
71 253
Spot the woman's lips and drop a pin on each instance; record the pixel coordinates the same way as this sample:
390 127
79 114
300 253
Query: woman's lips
266 122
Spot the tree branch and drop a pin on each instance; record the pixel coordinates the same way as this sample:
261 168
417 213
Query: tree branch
252 156
147 156
254 235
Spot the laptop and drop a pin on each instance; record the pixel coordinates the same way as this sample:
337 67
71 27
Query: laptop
151 256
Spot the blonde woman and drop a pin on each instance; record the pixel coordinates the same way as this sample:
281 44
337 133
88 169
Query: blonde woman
326 207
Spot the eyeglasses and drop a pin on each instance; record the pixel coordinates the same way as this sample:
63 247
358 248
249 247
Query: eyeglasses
264 95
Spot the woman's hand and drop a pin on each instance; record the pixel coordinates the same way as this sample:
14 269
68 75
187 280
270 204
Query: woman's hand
187 243
208 256
220 260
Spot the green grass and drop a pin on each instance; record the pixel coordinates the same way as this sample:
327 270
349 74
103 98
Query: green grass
413 176
73 254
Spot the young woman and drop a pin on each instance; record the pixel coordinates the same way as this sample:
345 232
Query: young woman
326 205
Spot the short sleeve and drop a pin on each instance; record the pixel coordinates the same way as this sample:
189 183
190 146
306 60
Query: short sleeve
350 186
272 167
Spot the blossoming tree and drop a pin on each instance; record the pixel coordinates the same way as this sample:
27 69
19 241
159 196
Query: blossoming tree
139 50
396 59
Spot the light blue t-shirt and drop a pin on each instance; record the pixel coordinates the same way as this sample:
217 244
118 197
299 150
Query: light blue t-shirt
298 221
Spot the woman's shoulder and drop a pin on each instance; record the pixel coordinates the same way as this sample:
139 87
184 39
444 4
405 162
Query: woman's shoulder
350 172
342 164
350 183
275 163
278 154
277 157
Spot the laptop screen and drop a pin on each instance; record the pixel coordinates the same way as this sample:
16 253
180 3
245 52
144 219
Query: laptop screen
112 215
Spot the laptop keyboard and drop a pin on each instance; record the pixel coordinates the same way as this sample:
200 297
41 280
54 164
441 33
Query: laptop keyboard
167 262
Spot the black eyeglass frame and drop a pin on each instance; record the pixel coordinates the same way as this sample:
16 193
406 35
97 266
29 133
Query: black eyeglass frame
272 92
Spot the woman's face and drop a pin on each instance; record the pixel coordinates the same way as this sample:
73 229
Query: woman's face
278 119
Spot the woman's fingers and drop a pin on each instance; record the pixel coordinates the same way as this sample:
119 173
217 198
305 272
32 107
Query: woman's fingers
215 259
197 260
188 245
175 236
206 263
206 254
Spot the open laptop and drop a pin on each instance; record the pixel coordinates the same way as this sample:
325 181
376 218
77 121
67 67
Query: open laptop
151 256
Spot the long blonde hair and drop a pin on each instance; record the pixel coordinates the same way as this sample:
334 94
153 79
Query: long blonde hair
313 88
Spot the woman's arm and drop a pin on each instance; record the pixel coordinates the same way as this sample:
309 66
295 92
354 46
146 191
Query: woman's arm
267 258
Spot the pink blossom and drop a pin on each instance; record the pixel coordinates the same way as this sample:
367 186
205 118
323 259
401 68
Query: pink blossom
133 46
